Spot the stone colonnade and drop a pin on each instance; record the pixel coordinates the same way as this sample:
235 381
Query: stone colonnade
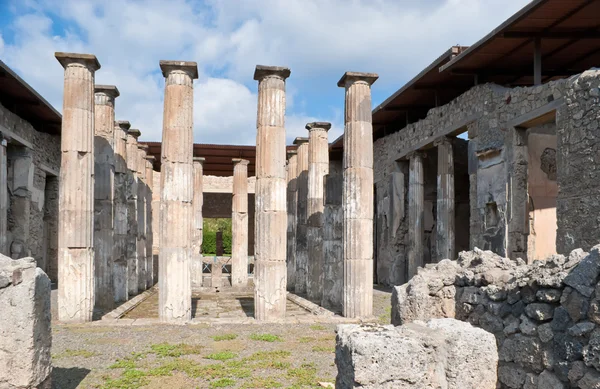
301 215
239 224
197 223
120 237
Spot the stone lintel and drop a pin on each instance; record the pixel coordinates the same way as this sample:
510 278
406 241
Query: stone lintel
89 60
352 77
187 66
198 159
318 126
291 153
263 71
240 161
124 124
109 90
134 132
143 146
442 140
413 153
150 158
298 141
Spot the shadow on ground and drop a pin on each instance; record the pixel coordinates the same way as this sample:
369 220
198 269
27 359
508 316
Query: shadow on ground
68 378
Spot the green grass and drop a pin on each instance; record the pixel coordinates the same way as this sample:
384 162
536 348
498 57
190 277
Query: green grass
324 349
222 383
317 327
306 339
75 353
266 337
218 338
130 379
303 375
175 350
263 383
123 364
386 318
221 356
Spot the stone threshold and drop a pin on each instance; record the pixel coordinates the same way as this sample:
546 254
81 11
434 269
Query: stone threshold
309 305
128 305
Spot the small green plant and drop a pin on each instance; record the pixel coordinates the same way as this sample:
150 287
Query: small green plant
266 337
221 356
123 364
324 349
175 350
306 339
263 383
219 338
130 379
222 383
303 375
317 327
386 318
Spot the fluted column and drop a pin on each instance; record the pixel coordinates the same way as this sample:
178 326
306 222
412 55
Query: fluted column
76 190
120 236
445 242
177 180
156 231
104 174
148 230
301 215
271 216
292 176
198 223
358 195
3 195
141 217
132 212
416 206
318 168
239 224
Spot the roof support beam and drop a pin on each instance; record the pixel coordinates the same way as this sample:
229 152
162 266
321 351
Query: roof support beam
537 61
579 35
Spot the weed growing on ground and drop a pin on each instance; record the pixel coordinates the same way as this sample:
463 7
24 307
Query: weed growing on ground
306 339
266 337
323 349
303 375
222 383
317 327
218 338
175 350
266 383
221 356
386 318
130 379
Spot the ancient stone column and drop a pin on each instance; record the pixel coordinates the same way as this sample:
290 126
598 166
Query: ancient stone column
318 168
301 215
358 195
148 220
239 224
156 193
104 174
3 195
120 236
292 176
141 217
175 291
76 190
416 206
198 223
270 275
132 212
445 242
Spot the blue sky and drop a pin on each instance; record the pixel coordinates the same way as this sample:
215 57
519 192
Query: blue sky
318 39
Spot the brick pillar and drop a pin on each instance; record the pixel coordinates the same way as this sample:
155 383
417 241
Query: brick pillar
174 278
271 216
120 236
301 215
3 196
239 224
445 242
358 195
318 168
148 219
104 173
416 206
141 217
292 176
198 223
76 190
132 211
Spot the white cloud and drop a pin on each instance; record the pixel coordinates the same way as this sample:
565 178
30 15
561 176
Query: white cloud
317 39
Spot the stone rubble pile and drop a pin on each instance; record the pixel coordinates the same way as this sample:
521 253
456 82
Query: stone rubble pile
545 316
442 353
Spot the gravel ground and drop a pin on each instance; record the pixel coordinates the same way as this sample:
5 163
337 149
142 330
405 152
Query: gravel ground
192 356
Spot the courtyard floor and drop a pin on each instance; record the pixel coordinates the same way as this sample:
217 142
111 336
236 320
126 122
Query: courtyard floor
222 347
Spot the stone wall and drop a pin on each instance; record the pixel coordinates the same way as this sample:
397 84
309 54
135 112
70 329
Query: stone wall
545 316
33 166
25 325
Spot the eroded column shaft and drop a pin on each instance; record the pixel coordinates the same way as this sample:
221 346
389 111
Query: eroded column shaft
318 168
301 216
76 190
270 275
104 173
357 196
156 230
416 200
198 223
120 236
292 176
132 212
141 218
3 196
445 242
239 224
148 219
177 184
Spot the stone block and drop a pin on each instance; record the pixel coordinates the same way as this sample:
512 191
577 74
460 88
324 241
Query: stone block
442 353
25 325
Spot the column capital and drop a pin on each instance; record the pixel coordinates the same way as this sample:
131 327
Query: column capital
89 60
189 67
240 161
109 90
416 153
352 77
199 160
124 125
300 140
4 139
291 153
143 146
134 132
444 140
318 126
262 72
150 158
